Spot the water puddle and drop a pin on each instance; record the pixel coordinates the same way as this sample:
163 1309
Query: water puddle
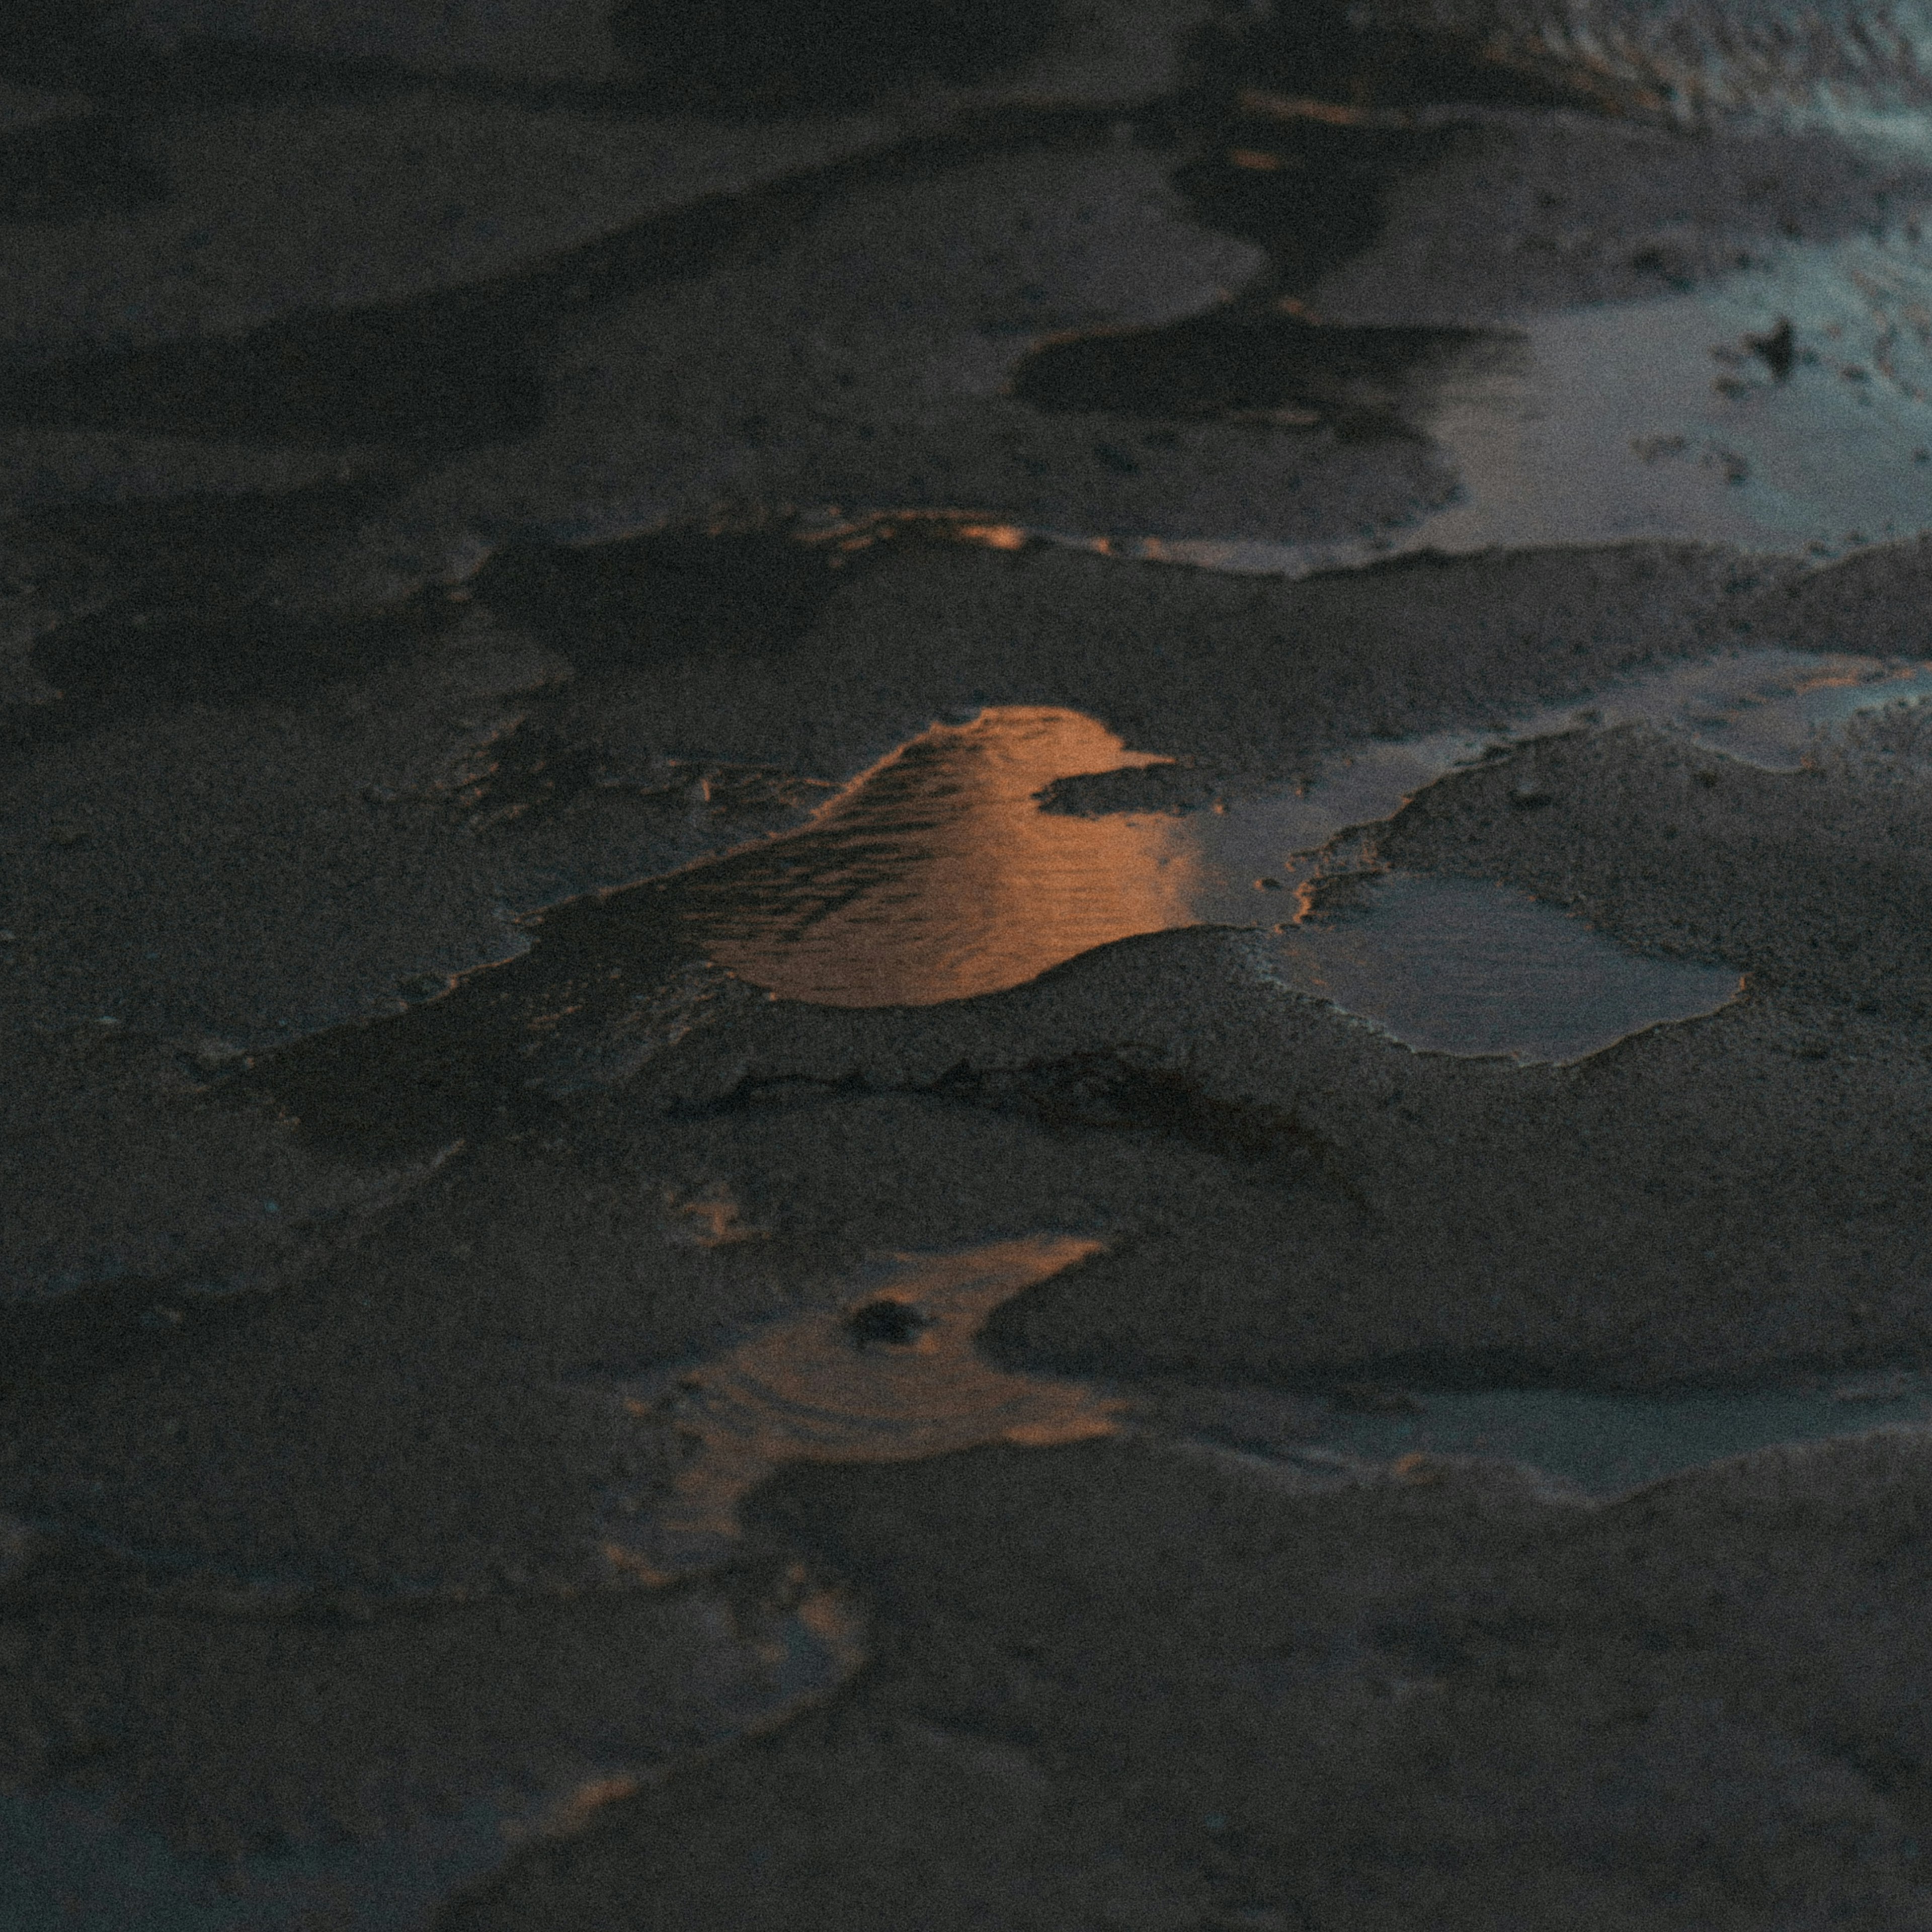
1462 966
1775 709
938 876
1787 409
1608 1444
1784 409
1837 62
944 873
895 1376
1784 412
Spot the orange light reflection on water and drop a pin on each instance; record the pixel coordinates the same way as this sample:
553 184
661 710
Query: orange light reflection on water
811 1389
993 536
938 877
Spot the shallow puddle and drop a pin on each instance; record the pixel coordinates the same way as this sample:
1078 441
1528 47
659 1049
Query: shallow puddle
1785 409
1775 708
1452 965
936 876
1608 1444
1833 61
942 874
894 1376
939 876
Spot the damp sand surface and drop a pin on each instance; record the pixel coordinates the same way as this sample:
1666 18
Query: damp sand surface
1404 1688
1712 368
1771 389
414 1758
1844 63
943 879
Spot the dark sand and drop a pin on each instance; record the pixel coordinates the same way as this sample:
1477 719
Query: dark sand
507 1424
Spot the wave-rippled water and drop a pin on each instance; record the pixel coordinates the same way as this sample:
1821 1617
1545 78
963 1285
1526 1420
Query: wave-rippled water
1692 59
938 876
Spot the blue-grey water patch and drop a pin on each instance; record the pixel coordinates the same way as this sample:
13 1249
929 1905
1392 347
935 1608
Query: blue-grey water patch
1608 1444
1786 409
1465 966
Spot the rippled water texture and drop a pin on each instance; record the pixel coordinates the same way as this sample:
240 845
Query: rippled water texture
1690 58
893 1376
941 874
936 876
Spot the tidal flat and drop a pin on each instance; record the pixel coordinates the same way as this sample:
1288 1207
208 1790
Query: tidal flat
965 967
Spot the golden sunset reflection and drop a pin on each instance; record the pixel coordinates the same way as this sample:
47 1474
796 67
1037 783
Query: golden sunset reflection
993 536
938 876
941 874
895 1376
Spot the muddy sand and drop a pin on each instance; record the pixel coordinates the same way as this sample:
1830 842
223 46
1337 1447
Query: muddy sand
965 967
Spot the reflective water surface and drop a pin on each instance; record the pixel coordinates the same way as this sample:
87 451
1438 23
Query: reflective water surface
1608 1444
893 1376
950 870
1835 60
1464 966
1785 408
940 873
936 876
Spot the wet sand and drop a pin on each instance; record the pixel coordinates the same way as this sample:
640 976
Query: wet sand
979 985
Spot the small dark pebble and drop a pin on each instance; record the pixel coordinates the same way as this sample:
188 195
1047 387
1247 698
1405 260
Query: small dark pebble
889 1322
1777 351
